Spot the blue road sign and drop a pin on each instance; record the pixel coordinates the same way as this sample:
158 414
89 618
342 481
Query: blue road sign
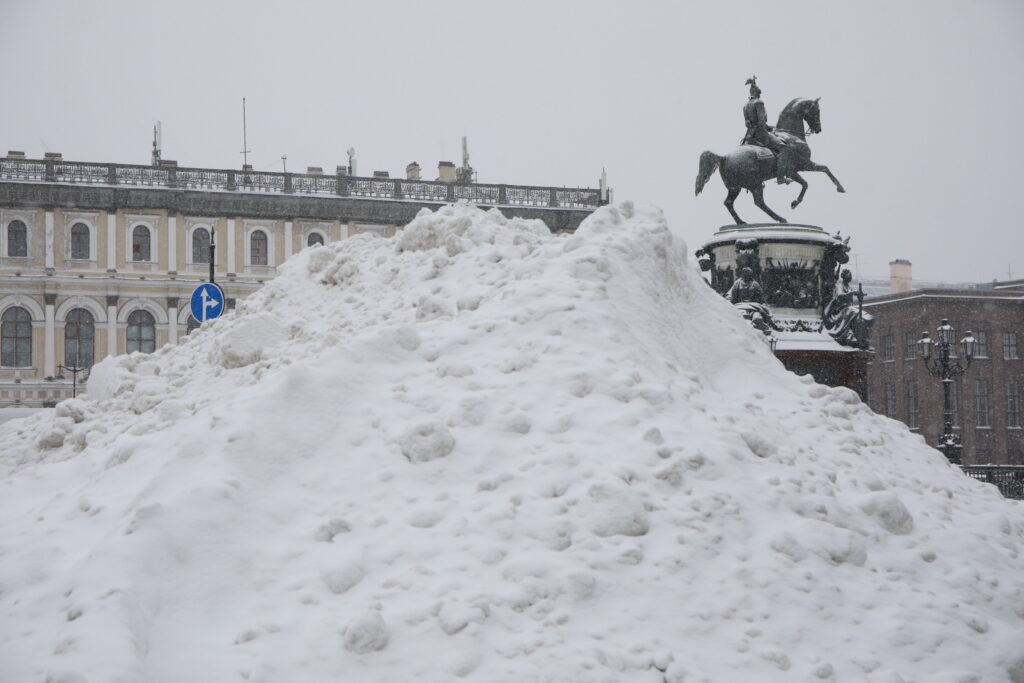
207 302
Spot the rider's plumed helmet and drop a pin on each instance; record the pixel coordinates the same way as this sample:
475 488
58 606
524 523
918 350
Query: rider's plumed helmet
754 90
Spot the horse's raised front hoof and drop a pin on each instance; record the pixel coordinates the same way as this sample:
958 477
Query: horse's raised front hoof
794 204
840 189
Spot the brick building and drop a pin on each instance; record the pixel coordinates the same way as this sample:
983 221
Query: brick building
987 400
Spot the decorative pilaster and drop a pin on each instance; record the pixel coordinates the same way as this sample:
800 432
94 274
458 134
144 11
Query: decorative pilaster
230 246
112 325
49 239
172 320
49 353
172 245
112 242
287 239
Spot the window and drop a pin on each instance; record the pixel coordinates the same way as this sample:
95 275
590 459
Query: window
890 399
910 345
1015 456
981 403
888 352
200 245
912 404
80 241
1010 346
17 239
16 338
140 243
141 332
79 339
314 238
1012 403
258 248
981 348
983 456
192 324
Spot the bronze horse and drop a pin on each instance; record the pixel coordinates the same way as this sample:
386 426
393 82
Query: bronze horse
748 166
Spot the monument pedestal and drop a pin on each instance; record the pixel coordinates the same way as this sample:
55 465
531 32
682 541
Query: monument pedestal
787 280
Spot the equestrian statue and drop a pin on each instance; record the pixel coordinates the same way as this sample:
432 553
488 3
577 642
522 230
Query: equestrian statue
765 152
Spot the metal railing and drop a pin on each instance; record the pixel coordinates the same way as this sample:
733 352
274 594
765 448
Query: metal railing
1009 479
59 171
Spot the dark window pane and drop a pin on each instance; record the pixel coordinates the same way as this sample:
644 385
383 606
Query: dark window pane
314 238
16 338
80 241
17 239
1009 345
258 248
981 345
79 339
140 243
192 324
201 245
141 332
981 403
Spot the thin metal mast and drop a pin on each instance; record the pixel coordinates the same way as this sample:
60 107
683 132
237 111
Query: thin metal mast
245 138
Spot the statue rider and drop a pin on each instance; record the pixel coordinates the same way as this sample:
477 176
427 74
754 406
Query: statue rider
759 132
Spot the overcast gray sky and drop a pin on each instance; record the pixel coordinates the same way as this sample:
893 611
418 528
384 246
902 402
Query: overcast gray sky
922 102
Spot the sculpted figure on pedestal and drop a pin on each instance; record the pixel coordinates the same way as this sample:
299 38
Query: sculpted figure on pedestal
843 318
767 152
760 133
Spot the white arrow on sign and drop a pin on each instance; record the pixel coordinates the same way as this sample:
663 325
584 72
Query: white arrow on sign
207 303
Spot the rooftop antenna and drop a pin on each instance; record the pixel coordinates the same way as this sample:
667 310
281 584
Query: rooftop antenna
284 163
157 144
351 160
245 139
603 184
466 174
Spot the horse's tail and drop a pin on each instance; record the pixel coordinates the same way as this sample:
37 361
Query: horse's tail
709 161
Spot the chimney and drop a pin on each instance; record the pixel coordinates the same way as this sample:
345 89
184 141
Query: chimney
314 170
15 154
412 171
381 174
446 171
899 276
341 170
53 156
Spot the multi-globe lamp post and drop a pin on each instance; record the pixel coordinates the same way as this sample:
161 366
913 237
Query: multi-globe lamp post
940 360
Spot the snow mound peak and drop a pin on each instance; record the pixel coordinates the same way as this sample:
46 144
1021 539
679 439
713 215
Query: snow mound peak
481 451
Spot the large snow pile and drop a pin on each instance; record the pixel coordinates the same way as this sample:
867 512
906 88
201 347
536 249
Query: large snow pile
479 451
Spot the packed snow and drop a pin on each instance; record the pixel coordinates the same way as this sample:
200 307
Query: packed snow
480 451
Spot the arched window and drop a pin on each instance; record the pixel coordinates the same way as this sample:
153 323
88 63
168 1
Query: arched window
79 339
140 243
200 245
258 248
17 239
141 332
16 338
314 238
80 241
192 324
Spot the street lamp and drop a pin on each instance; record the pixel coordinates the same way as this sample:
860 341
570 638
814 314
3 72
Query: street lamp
74 377
941 361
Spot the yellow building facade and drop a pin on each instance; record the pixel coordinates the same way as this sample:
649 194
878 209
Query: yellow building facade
101 259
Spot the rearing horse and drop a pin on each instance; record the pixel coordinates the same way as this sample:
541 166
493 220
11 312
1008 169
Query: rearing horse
748 166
